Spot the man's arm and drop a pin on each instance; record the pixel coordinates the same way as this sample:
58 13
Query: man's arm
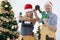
52 24
52 27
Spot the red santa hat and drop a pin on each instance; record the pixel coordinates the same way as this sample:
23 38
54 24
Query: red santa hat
28 7
50 3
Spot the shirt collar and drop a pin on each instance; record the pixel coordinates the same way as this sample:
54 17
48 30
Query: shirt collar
49 14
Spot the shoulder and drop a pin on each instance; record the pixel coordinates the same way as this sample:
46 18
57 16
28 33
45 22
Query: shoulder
54 15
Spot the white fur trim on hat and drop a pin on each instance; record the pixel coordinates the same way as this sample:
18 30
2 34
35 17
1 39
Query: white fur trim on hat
27 10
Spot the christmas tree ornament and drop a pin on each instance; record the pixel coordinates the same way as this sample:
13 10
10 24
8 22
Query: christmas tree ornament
13 38
11 17
7 20
12 27
8 38
11 12
15 26
6 6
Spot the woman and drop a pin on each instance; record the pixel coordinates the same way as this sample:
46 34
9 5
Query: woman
28 22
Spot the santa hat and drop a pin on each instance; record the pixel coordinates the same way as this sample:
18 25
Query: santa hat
28 7
50 3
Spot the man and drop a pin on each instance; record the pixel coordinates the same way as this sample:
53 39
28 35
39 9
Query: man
52 21
50 26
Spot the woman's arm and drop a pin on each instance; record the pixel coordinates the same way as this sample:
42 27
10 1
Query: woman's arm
37 18
33 20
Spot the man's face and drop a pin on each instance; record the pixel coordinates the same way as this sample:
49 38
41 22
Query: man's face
48 8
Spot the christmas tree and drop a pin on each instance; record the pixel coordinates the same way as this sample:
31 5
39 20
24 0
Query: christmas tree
8 24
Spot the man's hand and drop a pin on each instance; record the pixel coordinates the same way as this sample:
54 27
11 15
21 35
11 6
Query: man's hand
45 20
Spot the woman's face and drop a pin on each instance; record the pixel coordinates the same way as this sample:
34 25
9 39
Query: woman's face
29 14
48 8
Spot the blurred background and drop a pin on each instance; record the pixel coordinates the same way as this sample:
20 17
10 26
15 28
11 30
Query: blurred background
18 6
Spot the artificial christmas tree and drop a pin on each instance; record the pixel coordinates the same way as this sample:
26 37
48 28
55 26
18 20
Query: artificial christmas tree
8 24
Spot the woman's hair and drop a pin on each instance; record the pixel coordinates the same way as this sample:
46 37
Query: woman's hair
31 15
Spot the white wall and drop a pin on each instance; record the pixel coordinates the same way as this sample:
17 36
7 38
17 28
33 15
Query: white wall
18 6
